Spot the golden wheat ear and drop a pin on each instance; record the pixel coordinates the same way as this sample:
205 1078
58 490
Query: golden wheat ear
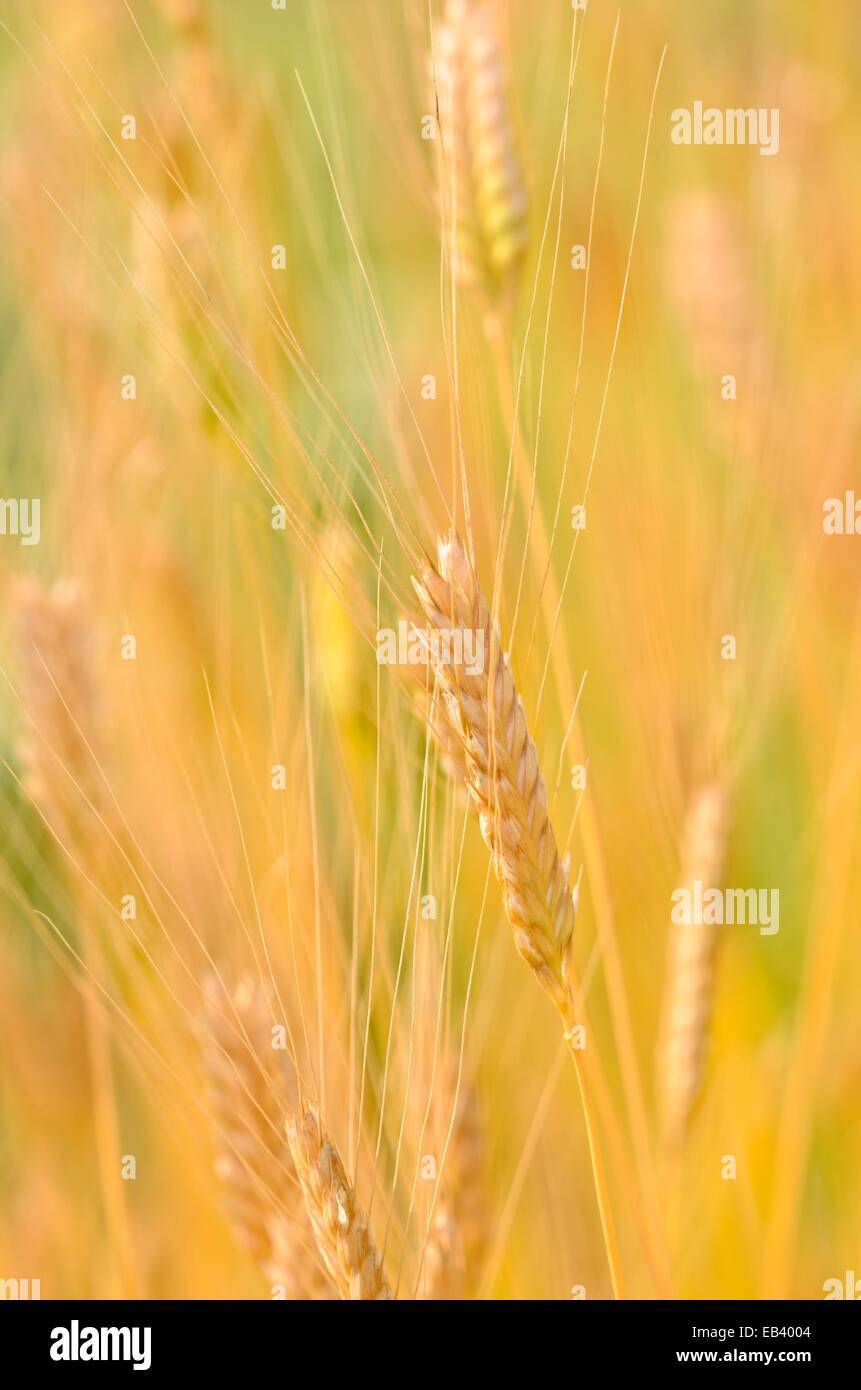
505 782
59 745
502 770
484 192
252 1089
460 1226
343 1236
689 984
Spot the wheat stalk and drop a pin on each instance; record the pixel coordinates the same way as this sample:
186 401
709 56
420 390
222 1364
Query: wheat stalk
342 1233
252 1089
485 193
690 968
504 781
59 752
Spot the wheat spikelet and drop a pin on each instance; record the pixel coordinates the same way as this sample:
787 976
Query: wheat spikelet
459 1228
690 968
59 740
485 193
252 1088
503 774
426 705
342 1233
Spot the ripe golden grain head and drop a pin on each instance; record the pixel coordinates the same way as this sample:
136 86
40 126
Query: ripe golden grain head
503 773
252 1090
689 982
460 1225
59 739
484 192
343 1236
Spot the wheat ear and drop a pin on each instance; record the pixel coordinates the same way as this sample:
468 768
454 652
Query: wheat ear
485 193
460 1226
502 773
504 780
252 1088
343 1236
59 743
690 968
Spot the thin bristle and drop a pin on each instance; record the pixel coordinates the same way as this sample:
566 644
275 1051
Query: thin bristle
503 774
343 1236
690 968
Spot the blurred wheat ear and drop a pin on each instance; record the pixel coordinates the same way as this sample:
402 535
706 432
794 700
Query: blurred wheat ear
59 741
484 193
460 1226
343 1235
689 980
252 1089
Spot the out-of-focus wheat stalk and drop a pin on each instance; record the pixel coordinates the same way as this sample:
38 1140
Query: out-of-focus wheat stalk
58 753
690 968
343 1236
252 1088
505 782
484 193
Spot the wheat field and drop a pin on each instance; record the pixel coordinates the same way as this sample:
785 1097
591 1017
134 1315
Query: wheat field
431 649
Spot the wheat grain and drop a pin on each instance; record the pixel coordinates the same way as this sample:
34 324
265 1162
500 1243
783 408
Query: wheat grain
690 969
252 1089
485 193
342 1233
